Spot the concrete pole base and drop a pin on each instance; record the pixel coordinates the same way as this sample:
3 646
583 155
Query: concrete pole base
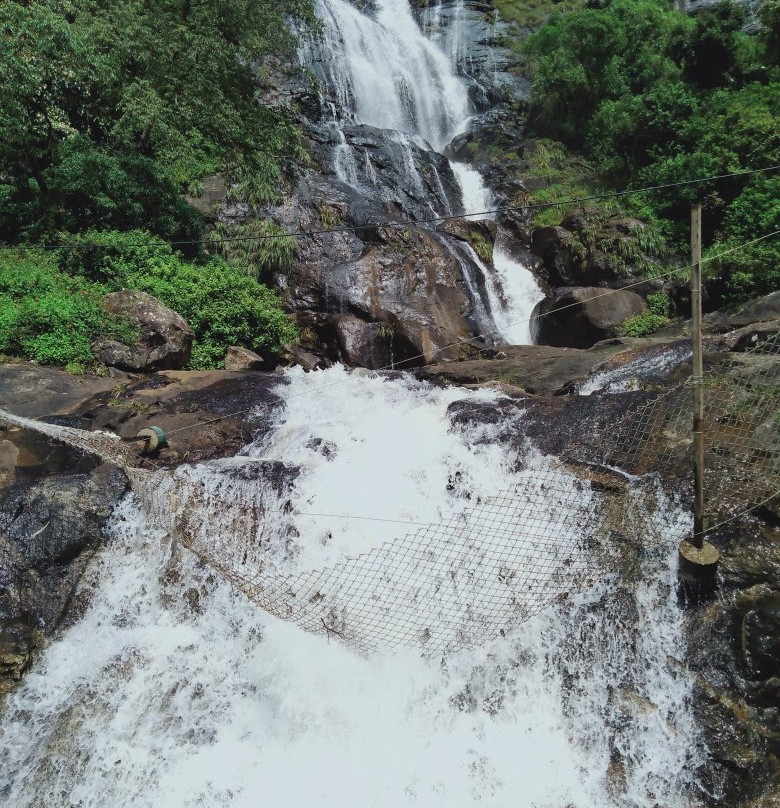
697 571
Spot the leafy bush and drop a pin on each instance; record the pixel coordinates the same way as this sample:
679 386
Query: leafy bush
48 316
108 111
223 305
642 324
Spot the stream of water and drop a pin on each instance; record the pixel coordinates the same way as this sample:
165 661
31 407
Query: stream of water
174 690
383 71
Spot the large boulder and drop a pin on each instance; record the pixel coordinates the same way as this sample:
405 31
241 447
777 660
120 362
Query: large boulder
362 343
238 358
578 317
585 250
164 337
423 283
51 524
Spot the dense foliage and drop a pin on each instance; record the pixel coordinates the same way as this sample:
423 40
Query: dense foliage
649 96
50 309
110 108
222 304
111 111
49 316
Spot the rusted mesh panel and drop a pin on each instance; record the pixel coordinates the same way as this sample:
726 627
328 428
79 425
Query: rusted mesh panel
741 432
442 587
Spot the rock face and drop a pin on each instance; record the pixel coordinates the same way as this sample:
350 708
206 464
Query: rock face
584 251
55 501
238 358
581 316
164 338
54 504
420 288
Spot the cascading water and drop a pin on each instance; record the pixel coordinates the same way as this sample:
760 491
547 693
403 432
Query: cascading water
174 690
382 71
385 73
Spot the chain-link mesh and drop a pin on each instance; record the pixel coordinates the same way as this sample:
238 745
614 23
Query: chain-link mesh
741 431
459 583
444 586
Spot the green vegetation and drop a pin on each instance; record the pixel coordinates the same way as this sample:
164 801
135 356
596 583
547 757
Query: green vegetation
223 305
51 312
49 316
654 317
482 246
111 112
646 95
109 109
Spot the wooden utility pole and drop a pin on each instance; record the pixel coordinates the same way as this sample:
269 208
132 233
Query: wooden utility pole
698 558
698 380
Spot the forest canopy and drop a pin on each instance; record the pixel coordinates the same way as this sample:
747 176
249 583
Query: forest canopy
109 109
653 96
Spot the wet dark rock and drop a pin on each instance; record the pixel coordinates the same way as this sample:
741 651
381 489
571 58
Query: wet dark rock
399 173
50 526
204 414
164 337
18 641
296 356
535 369
474 32
760 637
411 279
578 317
362 343
584 250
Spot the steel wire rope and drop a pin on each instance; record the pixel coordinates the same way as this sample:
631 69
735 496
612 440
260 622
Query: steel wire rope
394 365
406 222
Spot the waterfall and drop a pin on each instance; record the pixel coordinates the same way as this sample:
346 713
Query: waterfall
174 690
383 71
512 289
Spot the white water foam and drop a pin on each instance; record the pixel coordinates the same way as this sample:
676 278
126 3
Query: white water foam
386 73
173 690
653 364
512 290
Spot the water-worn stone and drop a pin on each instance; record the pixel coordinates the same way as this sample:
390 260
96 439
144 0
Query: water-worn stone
164 337
583 249
578 317
410 278
363 344
49 528
536 369
18 640
238 358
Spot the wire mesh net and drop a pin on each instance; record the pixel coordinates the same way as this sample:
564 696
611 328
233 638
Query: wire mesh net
444 586
741 430
460 583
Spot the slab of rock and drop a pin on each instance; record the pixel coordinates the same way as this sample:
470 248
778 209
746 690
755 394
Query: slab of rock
238 358
580 316
164 337
536 369
32 391
362 343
